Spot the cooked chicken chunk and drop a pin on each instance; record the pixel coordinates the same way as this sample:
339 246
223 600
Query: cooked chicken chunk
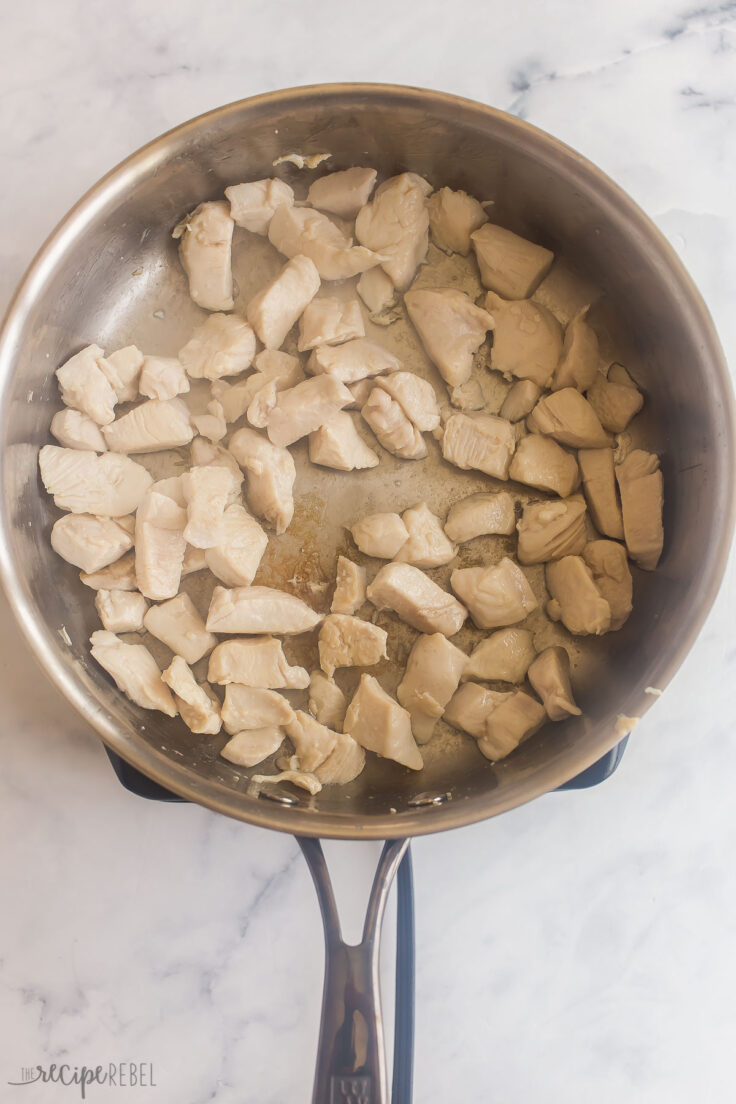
262 404
376 290
122 370
302 409
575 599
346 641
396 225
162 378
247 749
118 576
504 656
203 453
451 328
300 231
275 309
551 530
109 485
415 396
599 485
198 709
391 426
194 560
549 675
121 611
379 724
213 424
527 339
84 386
509 265
481 442
608 562
330 321
343 764
248 707
360 392
270 475
153 426
258 610
75 430
496 595
380 535
312 741
432 675
470 706
521 398
343 193
252 204
134 671
427 545
615 400
337 444
640 484
235 399
416 599
512 721
207 491
223 345
540 462
178 625
89 542
326 701
255 661
453 216
159 540
481 514
302 779
235 558
355 360
205 250
468 396
578 364
570 419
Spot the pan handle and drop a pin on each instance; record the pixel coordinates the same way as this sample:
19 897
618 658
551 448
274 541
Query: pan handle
351 1058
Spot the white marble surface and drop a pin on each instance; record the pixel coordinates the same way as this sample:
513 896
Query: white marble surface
578 949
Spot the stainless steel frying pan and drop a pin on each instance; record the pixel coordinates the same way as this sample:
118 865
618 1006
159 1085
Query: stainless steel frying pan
109 274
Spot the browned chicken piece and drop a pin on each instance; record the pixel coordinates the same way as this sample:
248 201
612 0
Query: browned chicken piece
451 328
521 398
578 366
415 396
301 410
350 586
329 321
570 419
134 671
610 567
255 661
204 250
480 442
391 426
416 599
376 290
248 707
551 530
599 485
496 595
380 535
353 361
270 475
504 656
427 545
198 707
509 723
300 231
527 339
223 345
453 216
178 625
616 400
337 444
379 724
153 426
252 204
259 610
549 675
396 225
346 641
470 707
640 483
540 462
343 193
432 675
575 599
326 701
343 764
312 741
275 309
481 514
510 265
248 748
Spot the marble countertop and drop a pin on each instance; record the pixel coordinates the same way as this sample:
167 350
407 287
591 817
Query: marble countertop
577 949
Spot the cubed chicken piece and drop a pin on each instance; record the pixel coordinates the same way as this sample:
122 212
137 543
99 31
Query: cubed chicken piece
160 543
468 396
178 625
376 290
153 426
205 248
549 675
521 398
578 366
450 327
326 701
432 675
540 462
427 545
599 485
134 671
527 339
275 309
312 741
481 514
470 706
355 360
213 424
122 370
575 599
118 576
570 419
360 392
223 345
203 453
235 558
302 779
207 491
300 231
615 400
162 378
496 595
330 321
415 396
270 475
379 724
283 367
346 641
396 225
453 216
343 193
608 562
391 426
198 709
264 400
512 721
194 560
85 387
343 764
89 542
259 610
247 749
551 530
380 535
503 656
75 430
302 409
337 444
509 265
109 485
252 204
248 707
255 661
641 487
416 599
236 398
121 611
480 442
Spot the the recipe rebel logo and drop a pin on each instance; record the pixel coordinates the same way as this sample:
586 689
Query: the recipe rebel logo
116 1075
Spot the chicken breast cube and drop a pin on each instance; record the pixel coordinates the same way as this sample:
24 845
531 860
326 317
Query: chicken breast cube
343 193
615 402
248 707
453 216
640 483
346 641
416 599
252 204
379 724
337 444
153 426
353 361
549 675
450 327
599 485
551 530
578 365
343 764
509 265
203 453
326 701
275 309
207 491
122 370
496 595
247 749
302 409
432 675
468 396
178 625
469 708
223 345
270 475
427 545
391 426
610 568
415 396
302 779
121 611
575 599
118 576
540 462
480 515
380 535
235 558
205 253
197 708
376 290
259 610
255 661
162 378
75 430
396 225
360 392
527 339
512 721
329 321
211 425
521 398
503 656
481 442
85 387
134 671
194 560
570 419
312 741
109 485
89 542
301 231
